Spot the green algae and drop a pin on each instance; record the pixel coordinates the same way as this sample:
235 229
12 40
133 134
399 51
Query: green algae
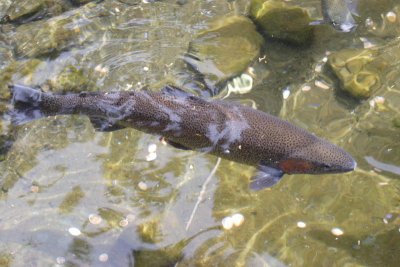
42 38
111 216
23 11
71 79
17 70
71 200
6 259
281 21
149 231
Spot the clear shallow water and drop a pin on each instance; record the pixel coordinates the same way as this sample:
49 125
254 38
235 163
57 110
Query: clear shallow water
60 174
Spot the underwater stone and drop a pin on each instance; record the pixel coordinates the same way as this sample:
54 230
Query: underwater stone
71 79
17 71
149 232
225 49
81 2
71 200
27 10
396 122
112 217
281 21
357 71
42 38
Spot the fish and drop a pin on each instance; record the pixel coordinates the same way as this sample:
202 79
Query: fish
339 14
219 127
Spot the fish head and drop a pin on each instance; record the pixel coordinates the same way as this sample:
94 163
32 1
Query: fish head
318 157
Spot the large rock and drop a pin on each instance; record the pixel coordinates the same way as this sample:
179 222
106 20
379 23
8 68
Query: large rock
225 49
281 21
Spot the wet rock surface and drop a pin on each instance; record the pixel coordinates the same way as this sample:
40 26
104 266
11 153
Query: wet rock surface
225 49
281 21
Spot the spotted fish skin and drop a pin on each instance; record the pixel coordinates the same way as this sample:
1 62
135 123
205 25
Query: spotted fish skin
219 127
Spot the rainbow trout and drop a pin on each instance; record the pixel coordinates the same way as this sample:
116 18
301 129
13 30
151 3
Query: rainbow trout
222 128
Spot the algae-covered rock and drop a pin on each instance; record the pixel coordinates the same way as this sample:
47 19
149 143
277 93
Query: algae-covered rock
42 38
112 217
396 122
71 79
225 49
17 71
150 231
358 70
71 200
81 2
26 10
281 21
6 259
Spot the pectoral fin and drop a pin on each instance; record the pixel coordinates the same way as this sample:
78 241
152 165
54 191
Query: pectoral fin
265 177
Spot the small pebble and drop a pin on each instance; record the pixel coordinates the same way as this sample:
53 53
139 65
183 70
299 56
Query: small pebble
379 99
301 224
372 103
151 156
142 186
123 223
391 17
152 148
286 93
237 219
94 219
146 68
318 68
337 231
321 85
60 260
130 217
227 223
305 88
103 257
369 23
74 231
34 188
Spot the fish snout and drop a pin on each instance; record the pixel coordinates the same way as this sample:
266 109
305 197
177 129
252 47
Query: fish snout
319 157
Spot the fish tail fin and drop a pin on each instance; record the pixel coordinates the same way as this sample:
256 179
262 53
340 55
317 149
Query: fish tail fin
26 104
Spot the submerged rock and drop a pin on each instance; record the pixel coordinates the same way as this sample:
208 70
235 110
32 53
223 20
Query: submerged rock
71 79
352 67
362 71
225 49
281 21
17 71
27 10
42 38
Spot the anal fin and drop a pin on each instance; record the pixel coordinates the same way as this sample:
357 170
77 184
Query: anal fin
265 177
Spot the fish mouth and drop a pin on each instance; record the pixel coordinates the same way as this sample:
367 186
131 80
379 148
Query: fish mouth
351 165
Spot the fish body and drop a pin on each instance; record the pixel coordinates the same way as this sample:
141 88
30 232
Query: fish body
339 13
219 127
